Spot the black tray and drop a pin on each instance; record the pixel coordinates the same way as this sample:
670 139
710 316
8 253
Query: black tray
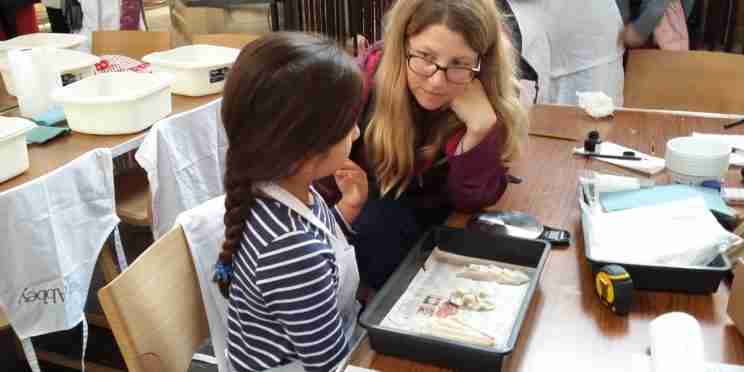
440 351
688 279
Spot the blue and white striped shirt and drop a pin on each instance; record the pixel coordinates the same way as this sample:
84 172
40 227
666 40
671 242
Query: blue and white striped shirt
283 303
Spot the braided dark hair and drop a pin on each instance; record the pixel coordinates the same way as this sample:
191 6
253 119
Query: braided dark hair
289 96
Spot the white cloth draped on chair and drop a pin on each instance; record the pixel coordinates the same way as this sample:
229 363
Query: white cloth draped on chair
53 230
184 157
205 231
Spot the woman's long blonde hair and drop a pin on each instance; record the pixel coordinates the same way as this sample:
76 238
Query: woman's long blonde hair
392 135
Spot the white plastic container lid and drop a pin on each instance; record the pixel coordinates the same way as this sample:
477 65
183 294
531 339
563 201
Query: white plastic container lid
11 127
193 56
698 147
38 39
698 156
66 59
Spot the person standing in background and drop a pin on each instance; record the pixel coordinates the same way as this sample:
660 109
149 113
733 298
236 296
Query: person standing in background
642 17
586 49
56 15
17 17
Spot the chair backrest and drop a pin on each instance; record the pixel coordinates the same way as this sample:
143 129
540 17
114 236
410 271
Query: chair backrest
3 320
237 41
689 81
133 44
155 308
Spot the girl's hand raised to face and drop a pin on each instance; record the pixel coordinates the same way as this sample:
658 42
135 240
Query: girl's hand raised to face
474 109
352 182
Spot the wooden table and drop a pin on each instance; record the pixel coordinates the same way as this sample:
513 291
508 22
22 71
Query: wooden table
47 157
566 328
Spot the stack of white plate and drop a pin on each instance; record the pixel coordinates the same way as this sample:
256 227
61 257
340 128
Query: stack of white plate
692 160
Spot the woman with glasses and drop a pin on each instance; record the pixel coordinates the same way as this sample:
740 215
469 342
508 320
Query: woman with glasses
441 119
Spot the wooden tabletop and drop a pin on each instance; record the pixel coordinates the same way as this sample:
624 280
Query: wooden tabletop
59 151
567 328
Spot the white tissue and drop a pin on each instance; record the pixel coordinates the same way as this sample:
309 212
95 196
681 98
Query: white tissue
596 104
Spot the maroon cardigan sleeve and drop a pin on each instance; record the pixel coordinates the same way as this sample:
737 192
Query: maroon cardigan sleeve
477 178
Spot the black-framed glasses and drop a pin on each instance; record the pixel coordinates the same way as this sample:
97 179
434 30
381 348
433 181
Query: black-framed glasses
454 74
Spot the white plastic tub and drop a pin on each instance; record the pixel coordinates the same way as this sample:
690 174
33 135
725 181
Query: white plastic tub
692 160
73 66
13 149
199 69
116 102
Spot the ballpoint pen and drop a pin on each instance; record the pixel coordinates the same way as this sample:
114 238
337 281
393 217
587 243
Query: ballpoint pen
731 125
620 157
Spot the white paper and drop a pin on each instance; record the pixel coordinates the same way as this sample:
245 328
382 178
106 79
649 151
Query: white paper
642 363
681 233
358 369
648 165
426 299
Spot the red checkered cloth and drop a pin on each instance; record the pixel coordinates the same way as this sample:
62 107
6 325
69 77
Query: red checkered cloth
116 63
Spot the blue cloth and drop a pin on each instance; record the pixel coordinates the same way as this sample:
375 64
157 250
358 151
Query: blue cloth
616 201
51 117
41 134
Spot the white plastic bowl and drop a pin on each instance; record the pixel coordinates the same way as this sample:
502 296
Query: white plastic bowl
73 66
116 102
693 159
13 148
199 69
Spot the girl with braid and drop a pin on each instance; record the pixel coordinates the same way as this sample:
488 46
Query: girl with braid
290 107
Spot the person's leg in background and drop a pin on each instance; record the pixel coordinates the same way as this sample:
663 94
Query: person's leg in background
385 231
688 5
57 20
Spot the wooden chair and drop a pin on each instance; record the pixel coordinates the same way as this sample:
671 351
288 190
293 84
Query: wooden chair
688 81
190 18
133 44
237 41
155 308
132 190
133 198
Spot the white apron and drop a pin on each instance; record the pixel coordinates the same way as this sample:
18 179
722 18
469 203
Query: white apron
348 274
99 15
184 156
53 229
586 49
535 47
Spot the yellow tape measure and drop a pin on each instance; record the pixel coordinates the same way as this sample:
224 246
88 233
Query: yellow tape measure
615 288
